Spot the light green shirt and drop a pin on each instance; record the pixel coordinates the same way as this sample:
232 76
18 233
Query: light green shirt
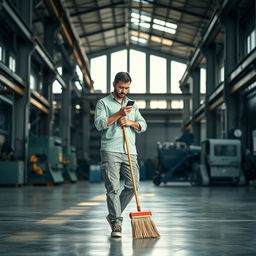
112 137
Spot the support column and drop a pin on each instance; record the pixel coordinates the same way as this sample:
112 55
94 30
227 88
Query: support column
230 60
109 83
65 121
147 78
48 76
186 108
22 107
25 8
128 59
196 102
46 124
86 125
168 80
21 110
210 116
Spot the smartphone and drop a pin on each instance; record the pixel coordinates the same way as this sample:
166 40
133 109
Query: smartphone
130 103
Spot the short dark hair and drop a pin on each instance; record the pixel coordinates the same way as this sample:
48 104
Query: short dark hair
122 76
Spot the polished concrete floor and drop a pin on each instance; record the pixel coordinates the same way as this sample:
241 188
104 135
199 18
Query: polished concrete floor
69 219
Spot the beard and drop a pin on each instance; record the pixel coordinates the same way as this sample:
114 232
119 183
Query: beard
119 95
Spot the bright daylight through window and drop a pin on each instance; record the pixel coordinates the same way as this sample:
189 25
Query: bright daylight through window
157 74
177 71
99 73
118 63
138 71
145 22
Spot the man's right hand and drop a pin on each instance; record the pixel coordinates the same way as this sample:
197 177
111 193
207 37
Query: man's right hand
125 111
120 114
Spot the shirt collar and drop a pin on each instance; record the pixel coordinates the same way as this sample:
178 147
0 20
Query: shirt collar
124 101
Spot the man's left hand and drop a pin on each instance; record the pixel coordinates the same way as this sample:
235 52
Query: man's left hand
124 122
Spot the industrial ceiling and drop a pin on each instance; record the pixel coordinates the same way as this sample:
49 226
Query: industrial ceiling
171 27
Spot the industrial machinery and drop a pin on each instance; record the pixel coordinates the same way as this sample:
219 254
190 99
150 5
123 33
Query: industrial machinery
11 171
46 161
220 163
175 161
69 164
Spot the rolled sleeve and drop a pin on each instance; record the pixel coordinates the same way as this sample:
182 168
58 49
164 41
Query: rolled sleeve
141 121
100 118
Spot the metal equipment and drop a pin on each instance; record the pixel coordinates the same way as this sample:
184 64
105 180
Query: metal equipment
46 161
175 161
95 173
220 163
11 172
69 164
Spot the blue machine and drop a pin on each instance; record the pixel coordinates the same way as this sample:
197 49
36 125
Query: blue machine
95 172
175 160
69 163
220 163
46 160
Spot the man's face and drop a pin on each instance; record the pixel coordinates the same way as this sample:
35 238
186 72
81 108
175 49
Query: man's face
121 89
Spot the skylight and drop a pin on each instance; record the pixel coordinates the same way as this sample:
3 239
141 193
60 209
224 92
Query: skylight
140 20
143 1
144 20
139 39
145 36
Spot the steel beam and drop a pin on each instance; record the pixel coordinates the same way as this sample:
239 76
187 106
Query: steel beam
195 103
178 9
139 96
197 53
14 15
230 56
95 9
59 13
102 30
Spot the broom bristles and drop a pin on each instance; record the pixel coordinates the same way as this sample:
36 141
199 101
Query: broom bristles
143 227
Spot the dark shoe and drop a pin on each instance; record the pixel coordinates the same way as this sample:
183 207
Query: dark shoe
116 230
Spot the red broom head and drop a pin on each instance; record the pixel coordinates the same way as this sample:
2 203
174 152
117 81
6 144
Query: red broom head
140 214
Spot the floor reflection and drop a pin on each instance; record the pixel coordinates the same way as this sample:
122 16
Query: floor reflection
115 248
143 246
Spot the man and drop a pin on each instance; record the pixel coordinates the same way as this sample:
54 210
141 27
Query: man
111 115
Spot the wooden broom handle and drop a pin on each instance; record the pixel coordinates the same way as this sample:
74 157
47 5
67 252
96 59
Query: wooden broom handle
131 170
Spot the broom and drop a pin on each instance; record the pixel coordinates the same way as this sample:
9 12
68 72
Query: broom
142 225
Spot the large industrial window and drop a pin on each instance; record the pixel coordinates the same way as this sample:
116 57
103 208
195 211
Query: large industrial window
251 41
32 82
12 63
157 74
2 53
141 103
202 80
99 73
56 87
177 104
118 63
177 71
79 73
158 104
221 74
138 71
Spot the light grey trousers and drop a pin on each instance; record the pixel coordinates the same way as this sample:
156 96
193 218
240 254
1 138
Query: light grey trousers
112 165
